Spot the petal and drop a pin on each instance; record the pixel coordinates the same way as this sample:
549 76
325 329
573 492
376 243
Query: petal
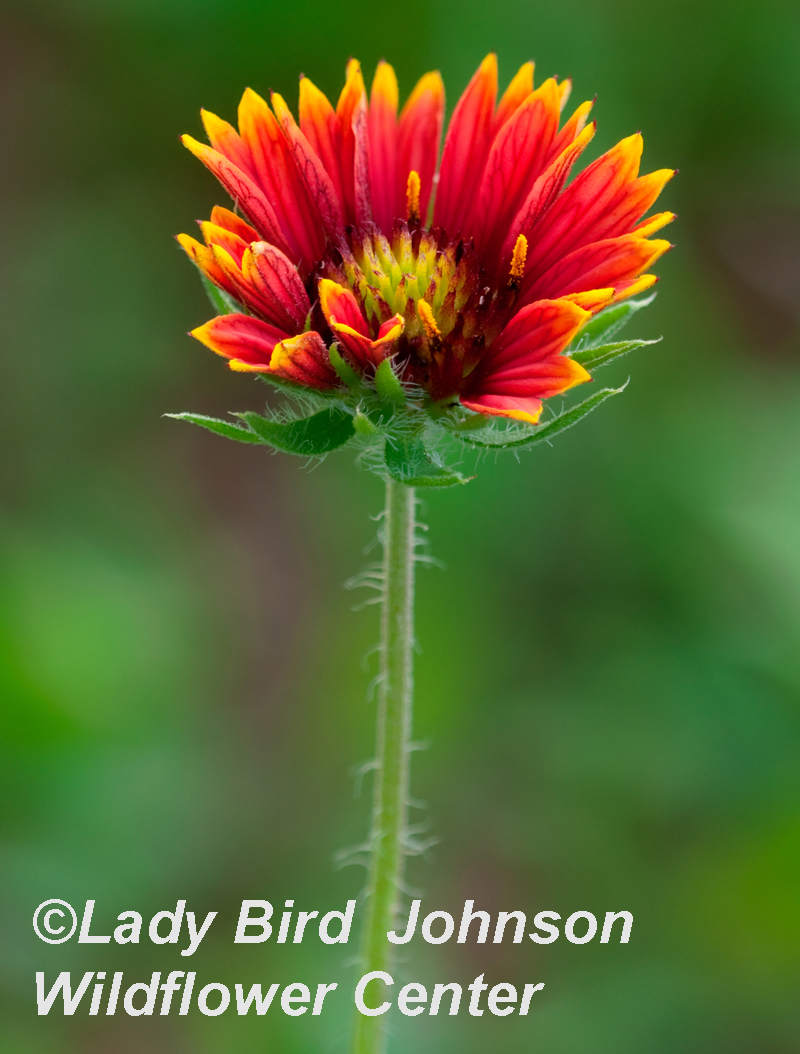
638 285
571 130
526 358
515 161
277 283
240 337
564 91
340 306
226 141
391 329
203 257
320 125
653 223
466 148
593 300
231 243
305 360
518 408
318 183
361 184
244 192
233 223
383 146
352 100
419 135
612 262
277 174
543 193
604 201
514 96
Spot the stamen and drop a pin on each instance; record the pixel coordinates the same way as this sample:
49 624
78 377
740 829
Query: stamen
413 188
429 322
518 262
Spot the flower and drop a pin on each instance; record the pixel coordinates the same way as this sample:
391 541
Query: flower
471 279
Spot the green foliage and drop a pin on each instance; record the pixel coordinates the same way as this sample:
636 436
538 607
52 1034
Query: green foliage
306 437
221 428
517 436
388 385
607 324
344 371
409 462
594 358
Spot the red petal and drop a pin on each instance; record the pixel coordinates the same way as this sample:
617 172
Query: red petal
383 147
612 262
304 359
278 175
240 337
514 96
277 283
226 141
604 201
320 125
231 243
515 161
526 358
419 135
244 192
466 148
203 258
571 130
233 223
519 407
318 183
543 193
339 305
352 99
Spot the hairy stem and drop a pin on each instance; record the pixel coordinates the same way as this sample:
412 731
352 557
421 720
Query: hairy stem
390 802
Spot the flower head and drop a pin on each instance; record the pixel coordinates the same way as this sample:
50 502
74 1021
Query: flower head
353 244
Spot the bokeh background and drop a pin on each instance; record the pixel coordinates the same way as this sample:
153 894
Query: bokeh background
610 664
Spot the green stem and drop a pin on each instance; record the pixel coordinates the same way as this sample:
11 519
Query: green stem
390 801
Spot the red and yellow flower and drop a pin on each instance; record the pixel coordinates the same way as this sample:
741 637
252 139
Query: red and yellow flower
472 273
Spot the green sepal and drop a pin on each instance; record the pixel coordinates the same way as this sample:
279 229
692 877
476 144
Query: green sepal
512 438
307 437
608 322
594 358
222 428
344 371
387 384
222 302
363 425
409 462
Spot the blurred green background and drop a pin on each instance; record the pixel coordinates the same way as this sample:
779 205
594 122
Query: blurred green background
610 665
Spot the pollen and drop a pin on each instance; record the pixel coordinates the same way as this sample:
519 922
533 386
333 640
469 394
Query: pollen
413 187
432 331
518 262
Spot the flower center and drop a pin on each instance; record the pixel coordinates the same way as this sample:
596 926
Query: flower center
435 284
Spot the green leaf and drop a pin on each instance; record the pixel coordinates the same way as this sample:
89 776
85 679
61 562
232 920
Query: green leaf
344 371
607 323
517 437
409 462
594 358
387 384
222 428
222 303
308 437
